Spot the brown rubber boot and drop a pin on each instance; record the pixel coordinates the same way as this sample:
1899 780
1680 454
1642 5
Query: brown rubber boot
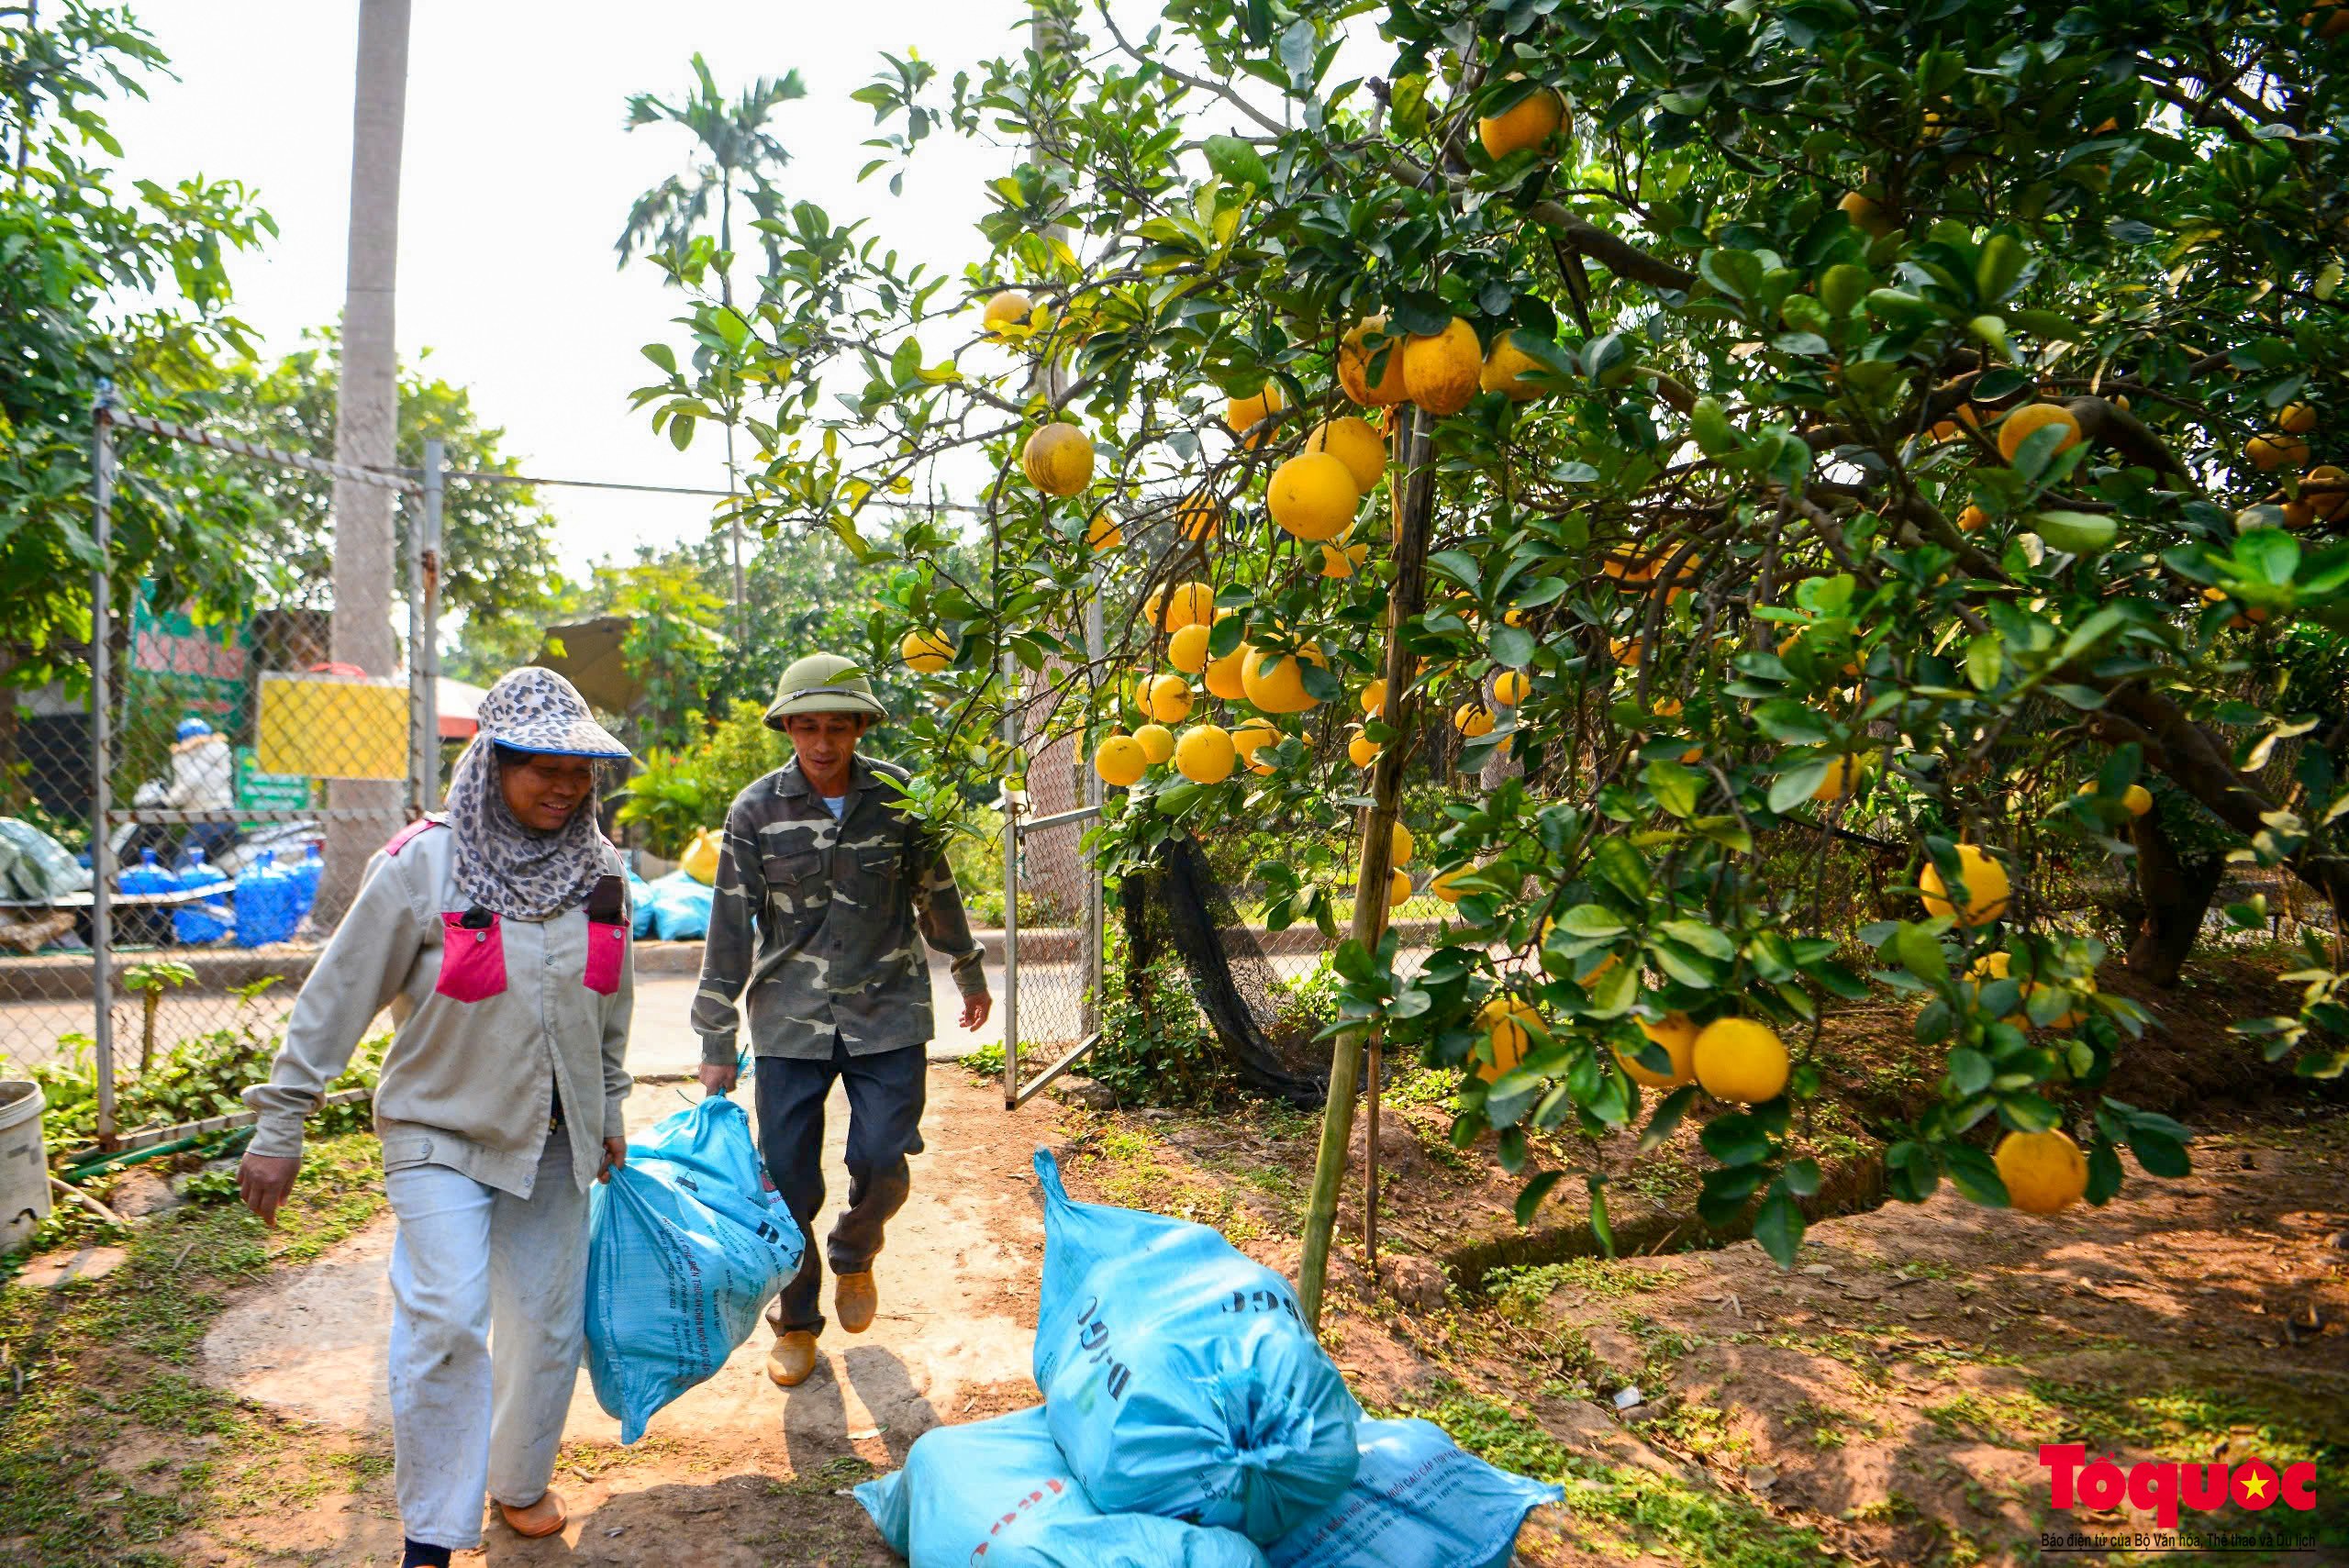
545 1517
854 1300
792 1359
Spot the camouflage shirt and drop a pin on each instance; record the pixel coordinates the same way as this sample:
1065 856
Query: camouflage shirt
812 922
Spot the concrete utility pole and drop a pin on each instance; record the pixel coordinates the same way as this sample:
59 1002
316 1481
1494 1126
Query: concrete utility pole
366 422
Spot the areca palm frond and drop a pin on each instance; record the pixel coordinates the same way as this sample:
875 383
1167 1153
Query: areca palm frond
735 151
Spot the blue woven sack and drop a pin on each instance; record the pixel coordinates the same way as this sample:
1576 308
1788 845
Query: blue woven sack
679 909
1420 1500
1179 1377
685 1247
997 1494
639 902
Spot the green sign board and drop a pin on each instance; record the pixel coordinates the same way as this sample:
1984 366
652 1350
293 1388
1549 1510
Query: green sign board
257 791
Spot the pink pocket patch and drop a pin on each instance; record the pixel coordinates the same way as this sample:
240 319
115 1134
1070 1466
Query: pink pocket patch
607 945
473 959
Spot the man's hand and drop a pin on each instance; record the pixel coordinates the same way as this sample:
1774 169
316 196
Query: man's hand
718 1078
263 1180
615 1156
975 1009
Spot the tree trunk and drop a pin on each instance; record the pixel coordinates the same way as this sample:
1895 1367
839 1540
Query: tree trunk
2177 894
1413 490
366 425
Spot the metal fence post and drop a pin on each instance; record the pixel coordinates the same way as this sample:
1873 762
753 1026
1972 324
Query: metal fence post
101 745
1089 1017
423 642
1012 770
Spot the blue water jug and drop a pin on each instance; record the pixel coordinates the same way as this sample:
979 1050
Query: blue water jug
149 876
264 904
210 921
305 874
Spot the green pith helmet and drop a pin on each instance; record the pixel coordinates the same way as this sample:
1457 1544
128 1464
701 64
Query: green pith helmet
823 683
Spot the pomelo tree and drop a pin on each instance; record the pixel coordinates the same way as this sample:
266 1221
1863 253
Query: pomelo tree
1791 423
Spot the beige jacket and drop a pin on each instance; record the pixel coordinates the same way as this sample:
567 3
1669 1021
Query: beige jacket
468 1085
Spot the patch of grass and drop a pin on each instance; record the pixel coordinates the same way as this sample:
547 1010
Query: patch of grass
1520 1292
1124 1162
843 1471
983 1062
2008 1420
1891 1508
2190 1423
96 1365
1661 1515
1832 1428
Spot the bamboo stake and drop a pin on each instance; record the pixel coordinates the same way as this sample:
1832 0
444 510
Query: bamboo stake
1411 489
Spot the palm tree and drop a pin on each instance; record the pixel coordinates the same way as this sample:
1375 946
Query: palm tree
736 156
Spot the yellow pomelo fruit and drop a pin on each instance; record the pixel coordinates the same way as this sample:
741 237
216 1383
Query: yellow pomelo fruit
2295 419
1312 497
1120 761
1843 777
1354 357
1472 719
1867 215
1188 648
1399 888
1166 699
1444 884
1350 440
1243 415
2276 448
1742 1061
1973 519
1058 460
1440 373
1189 604
1105 532
1530 121
1153 607
1987 888
1222 676
1205 754
2044 1172
1678 1035
1503 1022
1252 737
2032 417
1009 315
1510 687
1400 846
1626 652
928 652
2137 800
1374 697
1363 750
1276 682
1199 517
2335 498
1343 561
1504 370
1157 742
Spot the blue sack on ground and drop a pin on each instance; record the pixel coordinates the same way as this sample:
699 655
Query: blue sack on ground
679 909
997 1493
1418 1501
685 1247
1179 1377
639 902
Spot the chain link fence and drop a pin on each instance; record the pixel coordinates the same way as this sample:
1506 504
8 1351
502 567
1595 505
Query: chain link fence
189 808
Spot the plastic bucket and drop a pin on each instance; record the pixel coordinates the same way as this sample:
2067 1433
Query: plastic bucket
24 1164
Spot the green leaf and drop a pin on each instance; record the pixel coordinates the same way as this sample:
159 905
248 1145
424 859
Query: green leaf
2269 556
1529 1199
1736 273
1708 940
1985 660
1512 645
1238 162
1921 954
1798 783
1969 1070
2158 1152
1972 1173
1779 1227
1591 920
1792 723
2000 266
1676 787
1667 1118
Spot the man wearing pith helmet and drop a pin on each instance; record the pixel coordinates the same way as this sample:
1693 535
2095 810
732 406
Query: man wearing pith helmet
823 879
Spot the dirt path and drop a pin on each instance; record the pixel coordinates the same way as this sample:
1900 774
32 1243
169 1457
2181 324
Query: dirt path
736 1471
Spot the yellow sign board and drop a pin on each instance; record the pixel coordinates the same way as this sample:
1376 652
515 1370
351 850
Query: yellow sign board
330 727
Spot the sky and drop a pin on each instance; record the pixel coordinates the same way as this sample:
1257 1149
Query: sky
516 178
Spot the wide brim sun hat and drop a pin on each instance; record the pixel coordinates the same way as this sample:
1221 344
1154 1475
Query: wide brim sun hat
823 683
536 711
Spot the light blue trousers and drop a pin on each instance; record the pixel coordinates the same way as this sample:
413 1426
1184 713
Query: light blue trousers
488 1302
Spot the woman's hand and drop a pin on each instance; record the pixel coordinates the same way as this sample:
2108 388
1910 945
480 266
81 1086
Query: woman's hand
263 1180
615 1156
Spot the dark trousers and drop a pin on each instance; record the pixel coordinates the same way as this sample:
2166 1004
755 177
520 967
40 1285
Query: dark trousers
885 1102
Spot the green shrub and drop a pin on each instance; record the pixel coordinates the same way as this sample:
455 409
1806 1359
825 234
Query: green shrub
1155 1048
678 793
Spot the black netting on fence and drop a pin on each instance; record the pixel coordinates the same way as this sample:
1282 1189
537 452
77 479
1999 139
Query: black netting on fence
1178 908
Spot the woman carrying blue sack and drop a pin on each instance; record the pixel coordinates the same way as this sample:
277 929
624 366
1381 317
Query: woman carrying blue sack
498 936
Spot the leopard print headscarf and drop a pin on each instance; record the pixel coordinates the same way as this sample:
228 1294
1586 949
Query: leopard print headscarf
500 864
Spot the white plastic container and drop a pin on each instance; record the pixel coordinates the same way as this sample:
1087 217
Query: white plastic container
24 1165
